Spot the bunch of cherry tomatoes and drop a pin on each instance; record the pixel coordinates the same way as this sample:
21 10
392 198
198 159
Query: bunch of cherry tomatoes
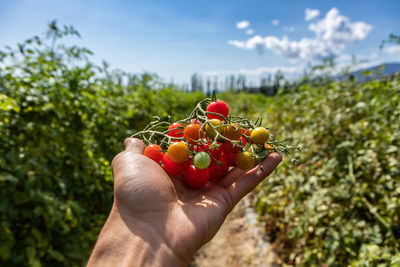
204 146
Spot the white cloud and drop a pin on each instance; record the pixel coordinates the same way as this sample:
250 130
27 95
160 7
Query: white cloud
306 48
275 22
236 43
251 43
311 14
298 69
242 24
338 29
332 34
249 31
289 29
393 50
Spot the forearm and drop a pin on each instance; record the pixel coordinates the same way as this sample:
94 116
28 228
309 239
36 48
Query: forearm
118 245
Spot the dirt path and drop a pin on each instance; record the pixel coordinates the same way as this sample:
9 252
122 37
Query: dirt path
238 243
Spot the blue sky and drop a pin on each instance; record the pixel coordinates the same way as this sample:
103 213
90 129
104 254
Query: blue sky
177 38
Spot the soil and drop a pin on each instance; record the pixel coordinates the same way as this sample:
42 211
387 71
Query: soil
241 241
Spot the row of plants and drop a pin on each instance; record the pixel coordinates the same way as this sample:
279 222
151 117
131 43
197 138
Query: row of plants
340 205
62 120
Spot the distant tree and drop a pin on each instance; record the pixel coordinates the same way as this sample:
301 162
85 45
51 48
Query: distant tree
226 85
232 82
393 38
196 83
215 84
243 83
278 78
208 86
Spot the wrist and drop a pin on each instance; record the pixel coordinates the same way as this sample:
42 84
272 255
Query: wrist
122 245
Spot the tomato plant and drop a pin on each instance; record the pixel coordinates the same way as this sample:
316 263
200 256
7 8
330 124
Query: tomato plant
154 152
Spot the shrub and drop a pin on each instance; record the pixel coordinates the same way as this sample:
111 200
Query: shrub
62 120
341 205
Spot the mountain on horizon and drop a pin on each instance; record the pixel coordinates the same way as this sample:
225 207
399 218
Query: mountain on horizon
377 71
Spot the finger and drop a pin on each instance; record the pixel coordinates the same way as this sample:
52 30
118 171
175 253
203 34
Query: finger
231 177
134 145
252 178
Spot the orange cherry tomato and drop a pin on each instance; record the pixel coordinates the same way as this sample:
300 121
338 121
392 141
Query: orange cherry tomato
192 133
269 148
232 131
178 152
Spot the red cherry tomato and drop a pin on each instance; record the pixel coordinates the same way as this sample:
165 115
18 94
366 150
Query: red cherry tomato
177 132
231 159
154 152
195 178
173 168
219 107
218 172
195 121
216 153
228 148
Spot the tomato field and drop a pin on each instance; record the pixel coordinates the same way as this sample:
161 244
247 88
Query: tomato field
63 119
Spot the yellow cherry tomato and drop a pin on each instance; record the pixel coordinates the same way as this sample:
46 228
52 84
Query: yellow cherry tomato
244 161
210 131
259 136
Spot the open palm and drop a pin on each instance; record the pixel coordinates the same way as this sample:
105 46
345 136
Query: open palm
159 209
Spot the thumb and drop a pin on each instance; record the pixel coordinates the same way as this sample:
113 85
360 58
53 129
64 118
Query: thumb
134 145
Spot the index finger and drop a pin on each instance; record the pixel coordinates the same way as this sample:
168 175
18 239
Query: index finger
252 178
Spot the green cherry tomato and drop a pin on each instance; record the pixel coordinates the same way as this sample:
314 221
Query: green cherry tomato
201 160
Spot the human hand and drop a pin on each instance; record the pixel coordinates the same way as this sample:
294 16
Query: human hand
155 220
